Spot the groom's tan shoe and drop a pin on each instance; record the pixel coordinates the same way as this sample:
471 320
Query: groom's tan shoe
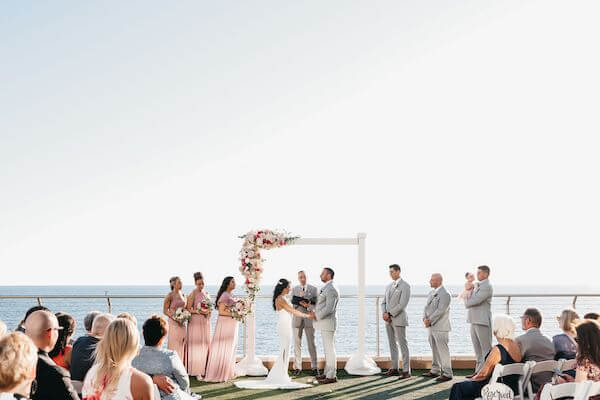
391 372
320 377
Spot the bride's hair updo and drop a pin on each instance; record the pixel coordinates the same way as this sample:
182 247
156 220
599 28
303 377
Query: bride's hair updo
282 284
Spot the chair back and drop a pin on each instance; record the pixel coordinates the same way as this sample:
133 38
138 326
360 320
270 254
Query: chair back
567 365
537 367
521 369
577 390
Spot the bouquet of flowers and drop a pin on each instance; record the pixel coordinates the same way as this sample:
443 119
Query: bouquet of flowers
182 315
206 304
241 308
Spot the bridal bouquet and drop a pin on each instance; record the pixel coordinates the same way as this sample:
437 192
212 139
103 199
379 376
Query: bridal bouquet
206 304
182 315
241 308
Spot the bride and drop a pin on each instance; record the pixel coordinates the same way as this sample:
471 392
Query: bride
278 377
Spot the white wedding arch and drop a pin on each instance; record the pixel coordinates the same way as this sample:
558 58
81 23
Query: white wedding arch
359 363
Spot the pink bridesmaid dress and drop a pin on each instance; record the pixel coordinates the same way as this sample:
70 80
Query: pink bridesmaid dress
177 331
221 357
198 341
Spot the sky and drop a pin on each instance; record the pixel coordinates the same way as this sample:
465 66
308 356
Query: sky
139 139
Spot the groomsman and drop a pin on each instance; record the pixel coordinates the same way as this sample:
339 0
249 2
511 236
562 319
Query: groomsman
394 305
303 296
436 318
479 315
325 312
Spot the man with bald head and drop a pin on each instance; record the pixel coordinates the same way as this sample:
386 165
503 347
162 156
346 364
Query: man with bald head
436 318
82 355
53 382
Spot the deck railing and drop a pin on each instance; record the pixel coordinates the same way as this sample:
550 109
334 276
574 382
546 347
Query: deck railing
109 298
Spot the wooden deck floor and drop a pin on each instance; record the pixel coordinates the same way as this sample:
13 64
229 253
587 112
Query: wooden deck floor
347 387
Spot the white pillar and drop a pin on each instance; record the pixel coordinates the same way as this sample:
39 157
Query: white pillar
359 363
250 365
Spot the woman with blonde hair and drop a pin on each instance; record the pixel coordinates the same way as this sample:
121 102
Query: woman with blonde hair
112 376
18 361
564 343
177 330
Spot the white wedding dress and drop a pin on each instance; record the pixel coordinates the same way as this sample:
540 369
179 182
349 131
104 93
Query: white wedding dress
278 377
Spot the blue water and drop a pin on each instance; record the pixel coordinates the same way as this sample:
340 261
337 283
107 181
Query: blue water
12 310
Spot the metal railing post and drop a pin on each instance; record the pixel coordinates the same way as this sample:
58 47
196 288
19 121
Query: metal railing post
377 325
508 305
574 301
109 305
39 300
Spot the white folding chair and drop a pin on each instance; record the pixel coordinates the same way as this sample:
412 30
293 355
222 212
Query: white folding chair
593 390
520 369
537 367
577 390
567 365
156 392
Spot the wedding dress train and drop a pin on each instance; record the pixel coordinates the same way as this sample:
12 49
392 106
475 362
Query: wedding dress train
278 377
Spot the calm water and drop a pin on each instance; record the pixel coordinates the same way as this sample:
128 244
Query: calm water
11 312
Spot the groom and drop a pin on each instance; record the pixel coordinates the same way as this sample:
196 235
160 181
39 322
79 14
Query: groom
325 311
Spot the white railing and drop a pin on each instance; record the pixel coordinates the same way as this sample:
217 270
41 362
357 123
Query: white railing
109 298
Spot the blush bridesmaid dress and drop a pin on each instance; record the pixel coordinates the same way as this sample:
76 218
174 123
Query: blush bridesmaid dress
177 331
221 357
198 342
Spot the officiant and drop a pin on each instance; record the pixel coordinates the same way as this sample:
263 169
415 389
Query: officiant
304 295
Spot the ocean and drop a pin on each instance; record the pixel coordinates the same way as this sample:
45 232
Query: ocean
12 311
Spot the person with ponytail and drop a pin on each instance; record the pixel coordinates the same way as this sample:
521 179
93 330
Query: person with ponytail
278 377
112 377
177 331
61 353
221 358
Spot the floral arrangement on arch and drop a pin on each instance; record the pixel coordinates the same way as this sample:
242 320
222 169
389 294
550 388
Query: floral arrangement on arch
251 263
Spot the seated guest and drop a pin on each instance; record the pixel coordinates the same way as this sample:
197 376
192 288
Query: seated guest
21 327
89 320
564 343
53 382
18 360
535 346
61 353
588 351
592 315
3 329
82 355
112 376
588 355
505 352
153 359
128 316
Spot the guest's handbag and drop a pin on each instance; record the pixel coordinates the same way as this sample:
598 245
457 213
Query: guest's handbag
497 391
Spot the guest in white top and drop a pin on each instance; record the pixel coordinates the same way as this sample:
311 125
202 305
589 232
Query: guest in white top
18 360
112 376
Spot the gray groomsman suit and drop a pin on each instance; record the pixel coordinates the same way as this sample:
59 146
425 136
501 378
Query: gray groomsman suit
326 322
394 302
479 315
536 347
306 325
437 311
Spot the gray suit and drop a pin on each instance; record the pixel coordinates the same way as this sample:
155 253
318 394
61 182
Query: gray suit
536 347
304 325
479 315
437 311
394 302
326 322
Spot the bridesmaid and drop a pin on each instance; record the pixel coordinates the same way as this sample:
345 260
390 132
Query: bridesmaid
221 357
177 332
198 341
